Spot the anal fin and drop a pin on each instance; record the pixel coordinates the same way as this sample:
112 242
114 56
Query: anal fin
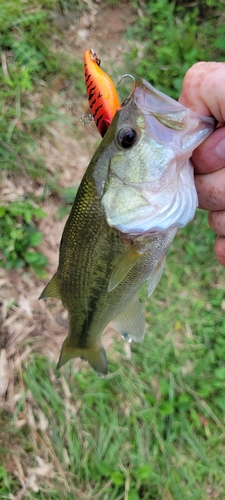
51 290
130 323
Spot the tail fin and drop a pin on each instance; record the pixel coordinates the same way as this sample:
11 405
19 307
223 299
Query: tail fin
96 356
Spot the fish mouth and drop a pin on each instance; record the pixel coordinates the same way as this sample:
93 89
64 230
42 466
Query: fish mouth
155 190
152 101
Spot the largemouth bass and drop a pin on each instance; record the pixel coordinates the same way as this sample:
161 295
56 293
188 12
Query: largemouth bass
137 191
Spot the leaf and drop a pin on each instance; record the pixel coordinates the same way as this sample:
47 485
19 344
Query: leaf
62 212
35 239
220 373
105 469
2 211
184 401
35 258
69 194
144 472
117 478
133 495
220 43
166 408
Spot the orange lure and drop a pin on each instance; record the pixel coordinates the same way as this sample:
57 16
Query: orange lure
101 91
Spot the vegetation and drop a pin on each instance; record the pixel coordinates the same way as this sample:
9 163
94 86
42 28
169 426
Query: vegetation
19 236
173 36
154 427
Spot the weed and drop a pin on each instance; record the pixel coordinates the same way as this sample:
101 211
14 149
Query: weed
5 483
19 236
168 38
154 427
28 63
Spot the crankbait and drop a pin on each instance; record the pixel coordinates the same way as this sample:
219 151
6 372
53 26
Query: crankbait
101 91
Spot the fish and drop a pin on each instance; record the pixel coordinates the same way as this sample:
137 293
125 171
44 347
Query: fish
101 91
136 192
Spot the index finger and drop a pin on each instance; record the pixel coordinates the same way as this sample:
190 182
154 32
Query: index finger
203 89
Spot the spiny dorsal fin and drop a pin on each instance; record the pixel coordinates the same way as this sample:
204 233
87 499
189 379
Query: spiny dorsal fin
51 290
123 267
130 323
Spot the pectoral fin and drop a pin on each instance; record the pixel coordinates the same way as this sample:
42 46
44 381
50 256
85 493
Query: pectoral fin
156 275
130 323
96 356
125 264
51 290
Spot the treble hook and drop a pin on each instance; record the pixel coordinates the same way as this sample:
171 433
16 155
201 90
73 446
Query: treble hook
126 75
126 100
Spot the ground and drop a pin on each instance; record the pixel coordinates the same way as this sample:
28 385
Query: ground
154 427
26 323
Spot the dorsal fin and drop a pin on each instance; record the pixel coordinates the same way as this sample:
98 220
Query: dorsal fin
51 290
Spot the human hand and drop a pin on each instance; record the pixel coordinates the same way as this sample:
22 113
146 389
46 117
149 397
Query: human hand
204 91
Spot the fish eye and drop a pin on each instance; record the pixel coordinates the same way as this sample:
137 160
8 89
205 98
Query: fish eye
127 137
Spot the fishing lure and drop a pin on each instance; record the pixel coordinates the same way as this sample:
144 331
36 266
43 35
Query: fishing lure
101 91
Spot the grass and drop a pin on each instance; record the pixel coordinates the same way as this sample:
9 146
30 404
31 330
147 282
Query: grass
29 64
171 36
154 428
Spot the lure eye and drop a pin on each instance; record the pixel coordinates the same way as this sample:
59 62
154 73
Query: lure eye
127 137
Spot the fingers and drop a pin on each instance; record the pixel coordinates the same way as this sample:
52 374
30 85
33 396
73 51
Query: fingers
217 222
203 89
211 190
220 250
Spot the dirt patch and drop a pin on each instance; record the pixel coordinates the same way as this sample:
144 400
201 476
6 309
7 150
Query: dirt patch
104 30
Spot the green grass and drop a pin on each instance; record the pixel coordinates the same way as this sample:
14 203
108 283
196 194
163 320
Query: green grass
171 36
154 428
19 236
29 63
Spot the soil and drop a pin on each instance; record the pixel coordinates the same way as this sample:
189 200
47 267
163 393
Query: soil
27 324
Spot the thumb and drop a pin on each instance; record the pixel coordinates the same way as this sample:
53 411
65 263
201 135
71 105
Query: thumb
203 89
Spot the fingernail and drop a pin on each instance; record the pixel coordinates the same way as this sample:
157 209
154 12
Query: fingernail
220 149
